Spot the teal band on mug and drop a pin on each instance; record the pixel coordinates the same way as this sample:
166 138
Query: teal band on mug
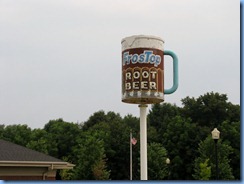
175 72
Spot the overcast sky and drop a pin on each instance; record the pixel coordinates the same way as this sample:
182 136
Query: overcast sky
62 58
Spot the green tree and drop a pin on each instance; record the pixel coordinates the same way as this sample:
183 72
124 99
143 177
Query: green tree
1 130
210 109
233 112
157 167
91 158
99 169
132 122
18 134
114 132
203 172
118 149
230 135
39 141
160 115
66 174
63 136
97 117
206 152
180 139
99 147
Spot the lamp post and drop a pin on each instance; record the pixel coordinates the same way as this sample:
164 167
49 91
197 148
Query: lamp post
167 161
215 137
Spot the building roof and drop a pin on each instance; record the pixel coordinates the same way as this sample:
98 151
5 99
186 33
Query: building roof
12 154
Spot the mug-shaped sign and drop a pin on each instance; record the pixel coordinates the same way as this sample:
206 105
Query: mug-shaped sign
143 70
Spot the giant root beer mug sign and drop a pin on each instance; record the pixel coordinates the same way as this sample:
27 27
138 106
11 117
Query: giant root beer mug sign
143 70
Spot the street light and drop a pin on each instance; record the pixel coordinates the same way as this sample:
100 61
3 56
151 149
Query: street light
167 161
215 137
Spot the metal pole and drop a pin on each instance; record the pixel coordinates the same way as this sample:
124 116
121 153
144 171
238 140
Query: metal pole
216 159
143 141
130 156
168 171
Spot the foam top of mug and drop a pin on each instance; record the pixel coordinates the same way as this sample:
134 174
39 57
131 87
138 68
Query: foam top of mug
142 41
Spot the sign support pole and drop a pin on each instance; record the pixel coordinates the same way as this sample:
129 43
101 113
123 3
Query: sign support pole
143 141
142 73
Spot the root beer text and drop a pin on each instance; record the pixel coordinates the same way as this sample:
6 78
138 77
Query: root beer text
140 79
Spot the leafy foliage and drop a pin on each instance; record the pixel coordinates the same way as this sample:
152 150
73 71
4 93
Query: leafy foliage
157 167
100 146
203 172
39 141
90 159
63 136
206 150
180 140
18 134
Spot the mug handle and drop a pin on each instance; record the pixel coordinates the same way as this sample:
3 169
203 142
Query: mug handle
175 72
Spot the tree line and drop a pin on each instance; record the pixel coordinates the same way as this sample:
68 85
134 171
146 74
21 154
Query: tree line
100 146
